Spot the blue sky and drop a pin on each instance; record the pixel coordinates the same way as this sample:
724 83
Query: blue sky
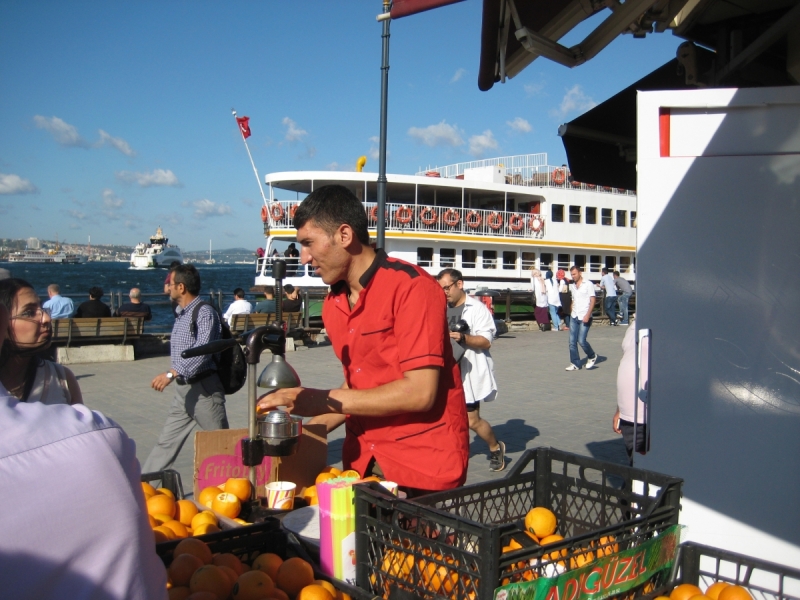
115 117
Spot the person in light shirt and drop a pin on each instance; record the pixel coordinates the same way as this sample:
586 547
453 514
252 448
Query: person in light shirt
59 306
580 320
239 306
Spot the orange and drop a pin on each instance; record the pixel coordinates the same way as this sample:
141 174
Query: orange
685 591
540 521
160 536
398 564
552 539
153 522
328 586
228 560
204 517
581 559
205 528
166 531
178 528
185 510
197 548
350 474
179 593
514 544
241 521
439 578
278 594
661 598
607 546
166 492
161 505
148 489
715 588
203 596
182 568
314 592
232 575
331 469
373 478
700 597
734 592
161 519
269 563
293 575
309 494
210 578
324 477
239 487
207 495
533 537
227 505
253 585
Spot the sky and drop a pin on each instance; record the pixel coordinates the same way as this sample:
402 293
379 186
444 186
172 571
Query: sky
115 117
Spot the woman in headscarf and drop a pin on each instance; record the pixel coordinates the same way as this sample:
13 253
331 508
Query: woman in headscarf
24 371
565 297
553 299
539 299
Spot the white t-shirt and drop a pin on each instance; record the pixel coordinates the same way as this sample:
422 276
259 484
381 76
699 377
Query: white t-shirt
539 293
552 292
477 366
237 307
581 298
626 379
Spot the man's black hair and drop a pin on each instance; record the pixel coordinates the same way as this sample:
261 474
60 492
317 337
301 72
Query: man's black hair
238 293
95 293
616 273
288 288
455 274
173 264
604 271
189 277
331 206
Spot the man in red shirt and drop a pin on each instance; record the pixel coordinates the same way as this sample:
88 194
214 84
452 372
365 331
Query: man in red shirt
402 399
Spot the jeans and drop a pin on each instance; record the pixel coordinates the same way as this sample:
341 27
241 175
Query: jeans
622 301
578 331
610 304
554 316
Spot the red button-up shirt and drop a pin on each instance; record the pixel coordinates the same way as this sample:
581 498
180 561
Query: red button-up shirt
399 324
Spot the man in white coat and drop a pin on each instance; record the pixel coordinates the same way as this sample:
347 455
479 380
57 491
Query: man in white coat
472 330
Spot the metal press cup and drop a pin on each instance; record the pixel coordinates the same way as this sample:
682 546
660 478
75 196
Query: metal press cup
391 486
280 495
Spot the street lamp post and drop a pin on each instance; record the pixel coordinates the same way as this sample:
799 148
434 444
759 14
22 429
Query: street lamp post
381 217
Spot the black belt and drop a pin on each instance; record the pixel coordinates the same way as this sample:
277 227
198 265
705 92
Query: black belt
180 380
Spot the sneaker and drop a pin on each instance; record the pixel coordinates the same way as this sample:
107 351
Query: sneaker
572 368
624 323
497 459
590 362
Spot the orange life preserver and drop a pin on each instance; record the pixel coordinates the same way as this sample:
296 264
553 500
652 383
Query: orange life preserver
451 218
293 210
606 189
576 183
559 176
474 219
276 211
591 186
428 215
373 214
264 214
495 220
403 214
536 223
516 222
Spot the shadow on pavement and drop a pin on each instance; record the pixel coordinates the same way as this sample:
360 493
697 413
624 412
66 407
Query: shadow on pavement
514 433
609 450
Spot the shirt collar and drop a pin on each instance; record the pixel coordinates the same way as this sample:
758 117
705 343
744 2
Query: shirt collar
183 310
380 257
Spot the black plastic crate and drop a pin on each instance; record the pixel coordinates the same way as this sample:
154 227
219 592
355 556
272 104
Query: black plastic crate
704 565
461 533
169 479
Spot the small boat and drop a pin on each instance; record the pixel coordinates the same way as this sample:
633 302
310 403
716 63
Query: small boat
158 253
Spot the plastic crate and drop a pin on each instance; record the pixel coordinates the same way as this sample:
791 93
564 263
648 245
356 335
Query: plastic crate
704 565
464 531
169 479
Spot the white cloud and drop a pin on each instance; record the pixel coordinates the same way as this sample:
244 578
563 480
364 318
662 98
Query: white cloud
62 132
115 142
478 144
76 214
206 208
458 75
111 200
11 184
293 132
575 100
441 134
533 89
519 124
171 218
157 177
374 149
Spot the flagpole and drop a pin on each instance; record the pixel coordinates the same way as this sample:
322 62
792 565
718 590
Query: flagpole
255 171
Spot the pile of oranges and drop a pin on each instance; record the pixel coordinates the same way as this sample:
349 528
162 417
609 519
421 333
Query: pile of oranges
721 590
197 574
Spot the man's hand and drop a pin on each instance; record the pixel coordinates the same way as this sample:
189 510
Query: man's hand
457 336
615 423
302 401
160 382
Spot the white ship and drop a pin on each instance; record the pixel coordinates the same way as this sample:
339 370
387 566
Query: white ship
158 253
493 220
46 256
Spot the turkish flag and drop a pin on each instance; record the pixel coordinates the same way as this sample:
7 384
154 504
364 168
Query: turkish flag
244 126
404 8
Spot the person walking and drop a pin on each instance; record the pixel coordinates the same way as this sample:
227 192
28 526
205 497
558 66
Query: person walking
59 306
540 312
610 301
93 307
583 299
565 297
623 300
199 398
134 308
553 299
477 366
627 412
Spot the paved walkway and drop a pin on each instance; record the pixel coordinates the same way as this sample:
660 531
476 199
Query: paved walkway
539 403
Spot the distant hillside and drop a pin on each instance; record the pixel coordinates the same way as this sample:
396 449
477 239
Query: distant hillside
222 255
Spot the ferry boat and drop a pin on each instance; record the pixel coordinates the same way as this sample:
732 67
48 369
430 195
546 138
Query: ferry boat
158 253
46 257
493 219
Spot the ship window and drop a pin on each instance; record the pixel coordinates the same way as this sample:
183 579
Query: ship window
574 214
595 261
624 264
528 260
468 259
633 218
563 262
622 218
605 217
611 263
509 261
591 215
558 213
490 259
580 261
545 261
447 258
425 257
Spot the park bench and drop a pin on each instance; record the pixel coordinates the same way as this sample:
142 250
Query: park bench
247 322
91 329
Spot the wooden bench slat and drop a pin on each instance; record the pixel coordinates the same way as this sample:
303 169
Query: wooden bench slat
104 328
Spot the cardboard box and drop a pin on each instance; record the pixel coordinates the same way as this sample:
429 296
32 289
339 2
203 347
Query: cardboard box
218 456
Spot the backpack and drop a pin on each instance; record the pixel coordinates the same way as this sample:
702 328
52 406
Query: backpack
231 364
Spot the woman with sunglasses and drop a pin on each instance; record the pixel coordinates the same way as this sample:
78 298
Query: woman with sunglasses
24 370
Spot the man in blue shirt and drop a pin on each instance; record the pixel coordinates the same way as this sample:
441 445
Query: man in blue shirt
199 398
60 307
